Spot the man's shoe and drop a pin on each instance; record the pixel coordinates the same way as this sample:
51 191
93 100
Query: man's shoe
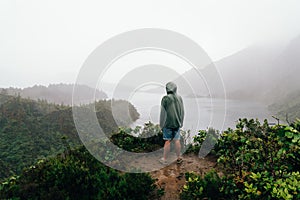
179 160
163 161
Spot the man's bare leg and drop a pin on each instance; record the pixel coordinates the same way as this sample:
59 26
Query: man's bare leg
177 148
166 149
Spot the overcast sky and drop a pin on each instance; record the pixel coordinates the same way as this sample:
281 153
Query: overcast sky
44 42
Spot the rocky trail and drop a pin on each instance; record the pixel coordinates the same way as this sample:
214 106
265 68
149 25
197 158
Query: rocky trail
171 178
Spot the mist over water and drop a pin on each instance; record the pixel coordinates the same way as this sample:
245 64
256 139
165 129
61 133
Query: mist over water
201 113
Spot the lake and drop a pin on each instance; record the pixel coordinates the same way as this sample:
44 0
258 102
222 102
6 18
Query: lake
201 113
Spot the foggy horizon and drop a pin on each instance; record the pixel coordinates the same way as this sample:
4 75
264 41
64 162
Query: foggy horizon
46 43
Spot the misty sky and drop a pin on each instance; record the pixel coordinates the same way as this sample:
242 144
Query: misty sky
44 42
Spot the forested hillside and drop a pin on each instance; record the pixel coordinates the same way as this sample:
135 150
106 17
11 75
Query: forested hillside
55 93
30 130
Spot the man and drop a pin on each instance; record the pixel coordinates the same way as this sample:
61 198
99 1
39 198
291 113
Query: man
171 120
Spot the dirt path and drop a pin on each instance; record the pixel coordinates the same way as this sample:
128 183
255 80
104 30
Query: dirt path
172 178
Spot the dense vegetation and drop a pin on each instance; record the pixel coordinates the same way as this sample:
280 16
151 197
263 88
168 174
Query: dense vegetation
255 161
75 174
31 130
150 138
145 139
258 161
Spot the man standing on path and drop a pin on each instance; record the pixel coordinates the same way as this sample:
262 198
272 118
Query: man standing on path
171 120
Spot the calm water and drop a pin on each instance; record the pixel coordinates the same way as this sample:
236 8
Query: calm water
201 113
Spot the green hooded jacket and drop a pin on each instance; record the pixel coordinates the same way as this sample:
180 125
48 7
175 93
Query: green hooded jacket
172 111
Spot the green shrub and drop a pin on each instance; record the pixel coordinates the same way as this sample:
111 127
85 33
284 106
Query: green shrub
147 139
254 147
211 135
259 162
199 188
75 174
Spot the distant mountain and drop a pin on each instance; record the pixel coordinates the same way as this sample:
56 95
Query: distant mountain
286 83
286 70
287 108
261 73
196 83
248 74
200 83
56 93
242 74
269 74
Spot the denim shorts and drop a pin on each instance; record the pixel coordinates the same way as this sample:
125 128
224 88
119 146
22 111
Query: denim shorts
171 133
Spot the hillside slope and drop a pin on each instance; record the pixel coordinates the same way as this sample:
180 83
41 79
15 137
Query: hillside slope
56 93
30 129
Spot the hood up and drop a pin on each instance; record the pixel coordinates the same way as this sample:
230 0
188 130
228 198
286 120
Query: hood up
171 87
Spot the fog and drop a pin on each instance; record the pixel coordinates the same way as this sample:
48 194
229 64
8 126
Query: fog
45 42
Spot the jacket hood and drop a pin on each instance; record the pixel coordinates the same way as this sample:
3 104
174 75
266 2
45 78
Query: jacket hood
171 87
